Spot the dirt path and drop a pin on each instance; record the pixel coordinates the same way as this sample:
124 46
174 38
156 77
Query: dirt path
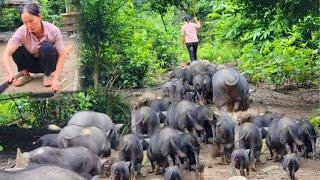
269 170
69 76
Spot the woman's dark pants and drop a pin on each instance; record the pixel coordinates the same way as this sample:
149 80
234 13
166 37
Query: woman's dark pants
192 49
45 63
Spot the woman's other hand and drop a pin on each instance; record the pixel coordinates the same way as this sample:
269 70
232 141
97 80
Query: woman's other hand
55 85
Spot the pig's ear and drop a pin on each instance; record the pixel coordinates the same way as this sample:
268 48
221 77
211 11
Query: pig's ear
239 123
245 116
64 143
118 126
229 146
147 140
247 151
161 116
100 165
127 163
103 161
109 133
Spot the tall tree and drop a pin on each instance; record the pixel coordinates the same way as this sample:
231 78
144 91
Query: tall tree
98 31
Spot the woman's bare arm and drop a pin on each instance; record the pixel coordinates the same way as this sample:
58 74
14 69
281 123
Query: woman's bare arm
61 59
197 22
6 61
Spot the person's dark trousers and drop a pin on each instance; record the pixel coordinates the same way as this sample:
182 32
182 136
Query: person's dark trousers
45 63
192 49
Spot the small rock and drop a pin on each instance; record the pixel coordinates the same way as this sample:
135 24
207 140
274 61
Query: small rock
260 176
238 178
5 36
74 36
209 165
220 67
270 168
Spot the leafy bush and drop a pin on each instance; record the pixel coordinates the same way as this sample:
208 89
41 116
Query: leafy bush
151 50
315 121
51 10
286 57
134 43
280 62
9 19
6 112
275 46
219 53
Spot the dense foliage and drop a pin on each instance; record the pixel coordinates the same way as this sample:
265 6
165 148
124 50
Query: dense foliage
272 41
9 19
130 43
278 42
315 120
50 11
123 45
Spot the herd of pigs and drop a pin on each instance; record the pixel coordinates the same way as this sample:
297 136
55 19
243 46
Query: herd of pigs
170 130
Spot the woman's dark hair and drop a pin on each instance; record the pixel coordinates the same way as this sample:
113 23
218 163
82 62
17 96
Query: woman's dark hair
186 18
31 8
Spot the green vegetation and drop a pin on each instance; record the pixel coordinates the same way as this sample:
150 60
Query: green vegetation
9 19
124 45
276 46
315 120
131 43
141 39
50 11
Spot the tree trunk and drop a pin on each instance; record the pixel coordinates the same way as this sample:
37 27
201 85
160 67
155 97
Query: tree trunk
95 74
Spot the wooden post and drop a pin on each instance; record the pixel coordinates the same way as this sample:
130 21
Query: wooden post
69 22
66 3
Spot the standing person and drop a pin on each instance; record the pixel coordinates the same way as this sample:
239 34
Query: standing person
35 47
189 36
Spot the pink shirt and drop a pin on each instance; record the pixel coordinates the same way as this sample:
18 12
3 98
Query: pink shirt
24 37
189 30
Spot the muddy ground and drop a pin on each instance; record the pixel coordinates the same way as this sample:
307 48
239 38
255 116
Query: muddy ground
298 103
